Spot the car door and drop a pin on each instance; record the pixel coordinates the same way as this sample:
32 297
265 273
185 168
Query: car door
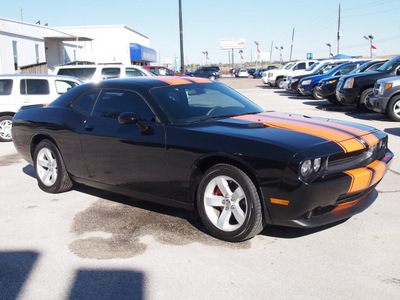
125 155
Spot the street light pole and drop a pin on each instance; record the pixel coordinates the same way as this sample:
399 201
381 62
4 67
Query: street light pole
181 37
329 45
369 38
257 56
206 54
280 53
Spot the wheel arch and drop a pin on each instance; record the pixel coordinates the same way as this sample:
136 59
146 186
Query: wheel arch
7 113
201 166
37 138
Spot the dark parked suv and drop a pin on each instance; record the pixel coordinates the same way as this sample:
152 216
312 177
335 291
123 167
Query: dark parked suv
206 72
356 89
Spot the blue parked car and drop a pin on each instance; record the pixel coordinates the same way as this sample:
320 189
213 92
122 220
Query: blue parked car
308 85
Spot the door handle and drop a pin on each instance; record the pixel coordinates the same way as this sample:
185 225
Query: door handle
89 127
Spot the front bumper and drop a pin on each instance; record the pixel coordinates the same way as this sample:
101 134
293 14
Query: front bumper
378 104
285 84
326 90
329 200
304 90
347 96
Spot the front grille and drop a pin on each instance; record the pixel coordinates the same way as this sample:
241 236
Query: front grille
345 158
339 85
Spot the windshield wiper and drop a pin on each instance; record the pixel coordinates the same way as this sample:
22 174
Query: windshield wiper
224 116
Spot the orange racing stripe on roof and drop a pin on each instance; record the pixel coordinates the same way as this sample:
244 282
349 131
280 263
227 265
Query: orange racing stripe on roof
174 80
201 80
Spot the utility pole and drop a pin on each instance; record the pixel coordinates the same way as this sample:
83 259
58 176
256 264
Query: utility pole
270 53
181 37
291 46
338 32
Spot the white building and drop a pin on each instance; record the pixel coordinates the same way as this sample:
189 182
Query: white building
30 46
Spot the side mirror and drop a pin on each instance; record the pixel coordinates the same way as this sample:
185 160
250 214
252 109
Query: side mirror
132 118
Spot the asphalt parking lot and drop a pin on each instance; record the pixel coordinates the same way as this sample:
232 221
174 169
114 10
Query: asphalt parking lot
90 244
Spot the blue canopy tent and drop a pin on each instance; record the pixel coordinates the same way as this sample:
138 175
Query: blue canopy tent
340 56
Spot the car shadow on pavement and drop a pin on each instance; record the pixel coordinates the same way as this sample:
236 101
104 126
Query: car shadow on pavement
15 267
197 230
107 284
393 131
293 233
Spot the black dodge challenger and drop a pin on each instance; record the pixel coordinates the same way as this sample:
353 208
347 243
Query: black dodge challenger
198 144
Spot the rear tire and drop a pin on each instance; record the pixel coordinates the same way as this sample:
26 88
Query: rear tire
50 170
229 204
5 129
393 109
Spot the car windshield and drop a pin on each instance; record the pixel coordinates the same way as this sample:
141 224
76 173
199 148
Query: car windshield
367 67
312 67
288 66
202 102
324 69
389 65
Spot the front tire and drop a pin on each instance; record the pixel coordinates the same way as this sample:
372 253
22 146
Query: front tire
5 128
363 102
229 204
393 109
315 94
279 83
50 170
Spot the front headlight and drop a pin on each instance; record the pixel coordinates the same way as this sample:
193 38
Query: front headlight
349 83
310 167
306 82
384 87
372 149
331 81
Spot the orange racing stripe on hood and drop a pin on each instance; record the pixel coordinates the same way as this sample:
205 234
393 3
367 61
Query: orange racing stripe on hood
368 137
347 141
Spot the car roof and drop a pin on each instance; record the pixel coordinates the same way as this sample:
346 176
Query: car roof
39 76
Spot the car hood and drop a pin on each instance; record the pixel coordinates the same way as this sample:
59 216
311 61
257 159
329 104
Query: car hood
296 132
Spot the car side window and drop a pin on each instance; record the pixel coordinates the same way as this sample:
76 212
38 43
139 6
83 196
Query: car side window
132 72
6 86
301 66
34 87
112 103
85 103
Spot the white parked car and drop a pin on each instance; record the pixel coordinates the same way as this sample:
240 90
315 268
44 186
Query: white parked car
18 90
97 72
243 73
276 77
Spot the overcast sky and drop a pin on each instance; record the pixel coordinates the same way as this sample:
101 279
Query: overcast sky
206 22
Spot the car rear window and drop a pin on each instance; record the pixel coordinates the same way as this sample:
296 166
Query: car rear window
84 74
6 86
